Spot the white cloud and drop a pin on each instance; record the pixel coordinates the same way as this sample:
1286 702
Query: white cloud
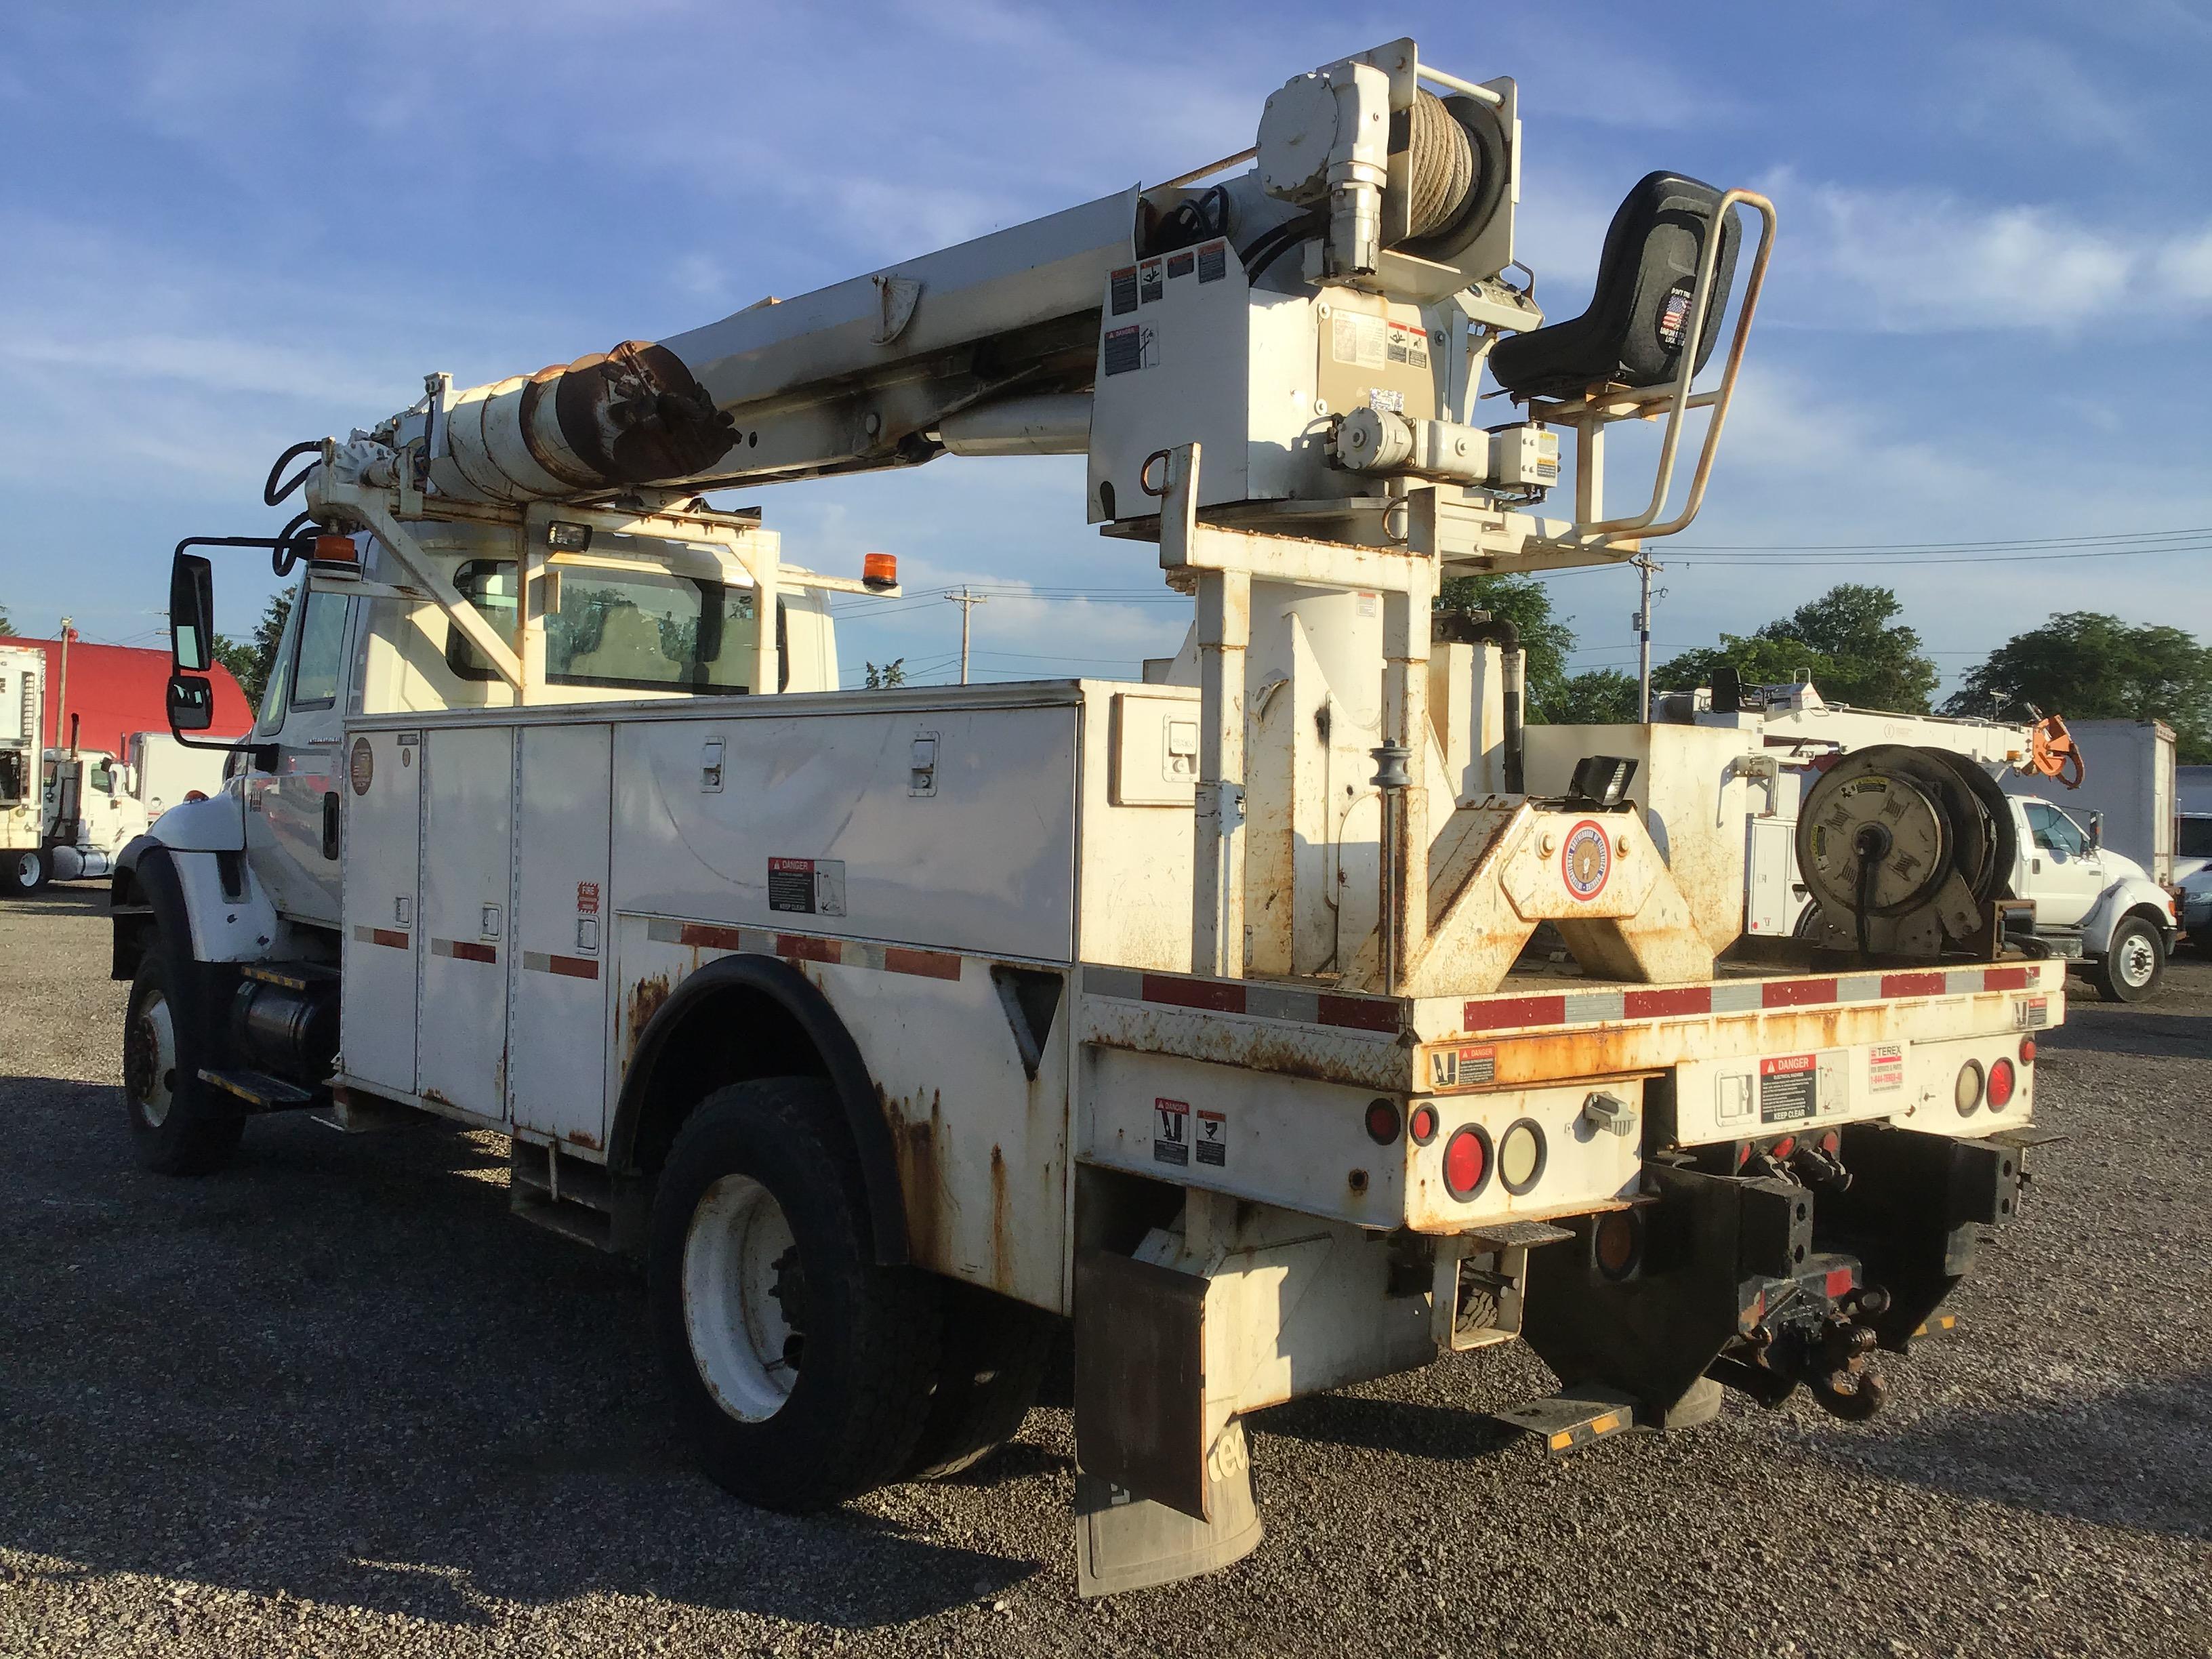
1913 261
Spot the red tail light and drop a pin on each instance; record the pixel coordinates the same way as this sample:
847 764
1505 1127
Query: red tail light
2027 1051
1466 1163
1422 1125
1381 1123
2000 1082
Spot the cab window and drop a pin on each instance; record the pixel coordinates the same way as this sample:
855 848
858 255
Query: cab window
320 660
640 631
2055 832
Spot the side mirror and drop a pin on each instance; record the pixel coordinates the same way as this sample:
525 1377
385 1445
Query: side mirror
2096 832
191 702
191 624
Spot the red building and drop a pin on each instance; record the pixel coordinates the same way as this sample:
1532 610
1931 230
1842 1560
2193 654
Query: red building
116 689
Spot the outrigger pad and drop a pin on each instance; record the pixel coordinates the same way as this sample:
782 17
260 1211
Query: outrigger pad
1123 1542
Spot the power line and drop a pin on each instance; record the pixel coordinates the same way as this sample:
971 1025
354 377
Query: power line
1939 547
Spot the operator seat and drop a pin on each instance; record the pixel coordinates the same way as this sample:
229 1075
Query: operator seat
1631 334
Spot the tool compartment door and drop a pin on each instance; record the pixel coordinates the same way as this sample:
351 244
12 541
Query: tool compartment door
380 841
468 821
557 1075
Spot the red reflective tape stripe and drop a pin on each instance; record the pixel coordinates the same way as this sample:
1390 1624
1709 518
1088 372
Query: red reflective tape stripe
929 964
465 952
1514 1011
1686 1000
1795 993
1840 1280
1360 1013
714 939
389 936
1914 985
2004 979
573 967
1219 996
808 950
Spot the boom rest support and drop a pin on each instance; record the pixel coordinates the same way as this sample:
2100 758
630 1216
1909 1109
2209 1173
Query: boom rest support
1639 311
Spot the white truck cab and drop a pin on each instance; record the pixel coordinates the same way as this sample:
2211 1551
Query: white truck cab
2093 904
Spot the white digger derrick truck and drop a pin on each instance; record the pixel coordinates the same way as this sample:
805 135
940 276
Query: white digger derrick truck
889 1025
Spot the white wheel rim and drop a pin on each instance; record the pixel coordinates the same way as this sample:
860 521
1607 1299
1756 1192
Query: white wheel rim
27 869
151 1072
743 1299
2137 960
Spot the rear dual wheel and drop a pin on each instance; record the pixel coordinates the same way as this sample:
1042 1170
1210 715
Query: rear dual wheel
806 1372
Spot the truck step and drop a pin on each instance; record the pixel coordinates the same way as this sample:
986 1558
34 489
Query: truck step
260 1091
592 1227
564 1195
292 976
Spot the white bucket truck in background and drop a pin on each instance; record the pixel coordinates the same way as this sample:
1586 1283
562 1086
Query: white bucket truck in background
2094 905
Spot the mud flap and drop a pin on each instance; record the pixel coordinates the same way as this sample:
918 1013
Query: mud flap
1157 1499
1123 1542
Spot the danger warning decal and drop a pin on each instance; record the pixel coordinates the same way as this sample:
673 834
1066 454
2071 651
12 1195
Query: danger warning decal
1213 1137
1171 1130
1586 861
1460 1068
1789 1088
808 886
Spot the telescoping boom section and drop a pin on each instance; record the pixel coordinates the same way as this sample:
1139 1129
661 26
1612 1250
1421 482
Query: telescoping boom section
1278 1022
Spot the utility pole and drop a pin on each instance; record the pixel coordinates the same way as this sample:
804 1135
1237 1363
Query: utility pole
1645 564
967 601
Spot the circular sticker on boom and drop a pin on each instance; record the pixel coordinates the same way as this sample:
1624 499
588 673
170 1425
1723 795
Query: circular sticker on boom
361 766
1586 861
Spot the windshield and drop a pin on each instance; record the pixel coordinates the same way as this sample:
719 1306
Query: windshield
2195 838
640 631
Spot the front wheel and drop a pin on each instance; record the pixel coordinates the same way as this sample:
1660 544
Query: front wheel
180 1124
22 873
802 1367
2133 963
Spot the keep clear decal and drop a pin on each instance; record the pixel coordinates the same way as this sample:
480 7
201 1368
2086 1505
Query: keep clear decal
1789 1088
811 887
1171 1131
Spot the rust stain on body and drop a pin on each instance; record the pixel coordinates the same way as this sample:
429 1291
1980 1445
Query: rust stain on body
642 1003
916 1140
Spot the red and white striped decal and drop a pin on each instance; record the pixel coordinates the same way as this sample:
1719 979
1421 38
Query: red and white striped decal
1744 996
1255 998
806 947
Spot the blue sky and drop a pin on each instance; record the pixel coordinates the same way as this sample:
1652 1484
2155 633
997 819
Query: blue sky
226 226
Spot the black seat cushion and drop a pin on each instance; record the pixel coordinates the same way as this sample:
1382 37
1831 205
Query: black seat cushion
1639 311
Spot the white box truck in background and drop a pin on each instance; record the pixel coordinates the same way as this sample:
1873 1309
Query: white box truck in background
2128 782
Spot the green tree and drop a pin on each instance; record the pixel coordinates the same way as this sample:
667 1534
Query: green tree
2087 666
7 628
1527 603
881 675
252 663
1598 697
1848 641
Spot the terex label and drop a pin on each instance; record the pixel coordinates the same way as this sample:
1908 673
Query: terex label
1171 1130
1885 1067
1789 1088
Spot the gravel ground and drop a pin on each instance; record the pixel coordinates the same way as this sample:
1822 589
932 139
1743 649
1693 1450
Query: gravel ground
335 1401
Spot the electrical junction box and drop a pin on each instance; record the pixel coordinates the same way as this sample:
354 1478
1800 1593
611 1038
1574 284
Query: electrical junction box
1525 458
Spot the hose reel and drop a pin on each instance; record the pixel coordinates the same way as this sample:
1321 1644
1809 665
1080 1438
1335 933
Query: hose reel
1904 848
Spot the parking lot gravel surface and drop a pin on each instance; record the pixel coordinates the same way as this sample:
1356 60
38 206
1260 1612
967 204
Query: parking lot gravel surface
336 1400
